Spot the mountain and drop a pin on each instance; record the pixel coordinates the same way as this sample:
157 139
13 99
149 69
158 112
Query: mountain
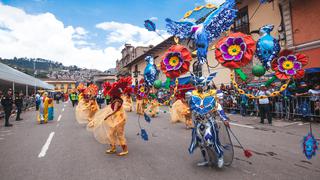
43 68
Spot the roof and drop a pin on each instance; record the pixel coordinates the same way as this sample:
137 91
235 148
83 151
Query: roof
151 52
9 74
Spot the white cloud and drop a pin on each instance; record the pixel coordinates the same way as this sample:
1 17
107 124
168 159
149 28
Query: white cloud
215 2
154 19
128 33
43 36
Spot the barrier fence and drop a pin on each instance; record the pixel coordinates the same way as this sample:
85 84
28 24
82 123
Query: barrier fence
288 108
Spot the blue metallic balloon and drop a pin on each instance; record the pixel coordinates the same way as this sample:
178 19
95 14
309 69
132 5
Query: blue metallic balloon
150 72
267 46
310 146
149 25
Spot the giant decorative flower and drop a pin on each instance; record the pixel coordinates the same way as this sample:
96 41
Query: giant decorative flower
289 65
176 61
235 51
142 90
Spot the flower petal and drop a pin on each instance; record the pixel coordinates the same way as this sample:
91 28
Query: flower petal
297 65
169 67
292 58
239 56
179 64
230 41
243 47
290 72
238 41
166 60
227 57
281 60
280 68
299 74
224 48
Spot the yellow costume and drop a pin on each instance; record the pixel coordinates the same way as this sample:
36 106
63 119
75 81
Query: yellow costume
108 124
87 105
111 130
140 106
153 109
42 116
180 112
127 103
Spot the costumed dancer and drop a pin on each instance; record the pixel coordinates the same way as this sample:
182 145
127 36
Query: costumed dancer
43 109
88 105
108 124
50 109
127 99
141 97
180 111
205 135
153 109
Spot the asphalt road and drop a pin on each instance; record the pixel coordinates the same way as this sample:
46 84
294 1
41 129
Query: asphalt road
64 150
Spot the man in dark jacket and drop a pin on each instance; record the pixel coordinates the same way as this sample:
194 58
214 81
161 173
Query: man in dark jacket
19 103
6 102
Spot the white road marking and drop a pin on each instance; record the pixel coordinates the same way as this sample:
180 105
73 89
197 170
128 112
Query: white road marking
59 118
45 147
6 134
62 109
5 131
1 138
241 125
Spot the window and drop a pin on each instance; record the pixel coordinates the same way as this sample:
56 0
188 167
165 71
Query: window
241 23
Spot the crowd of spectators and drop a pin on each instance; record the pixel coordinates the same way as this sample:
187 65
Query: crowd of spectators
300 101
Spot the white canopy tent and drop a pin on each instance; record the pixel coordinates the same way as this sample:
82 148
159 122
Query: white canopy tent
10 76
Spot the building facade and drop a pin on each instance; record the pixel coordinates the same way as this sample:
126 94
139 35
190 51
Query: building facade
129 53
287 16
302 23
62 85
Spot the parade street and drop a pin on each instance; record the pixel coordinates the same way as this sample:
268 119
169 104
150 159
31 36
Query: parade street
65 150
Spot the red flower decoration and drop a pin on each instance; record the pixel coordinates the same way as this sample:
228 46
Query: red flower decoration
182 90
176 61
106 87
235 50
118 87
289 65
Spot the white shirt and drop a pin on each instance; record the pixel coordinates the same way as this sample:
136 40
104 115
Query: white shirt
315 94
264 100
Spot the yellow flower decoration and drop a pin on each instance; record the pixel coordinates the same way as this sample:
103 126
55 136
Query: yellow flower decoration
210 6
198 8
241 91
287 65
234 50
187 14
174 61
276 93
141 89
262 97
235 84
250 96
283 87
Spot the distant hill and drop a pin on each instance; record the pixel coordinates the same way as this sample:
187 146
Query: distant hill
43 68
33 66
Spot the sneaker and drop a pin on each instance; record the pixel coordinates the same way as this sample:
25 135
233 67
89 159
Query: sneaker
123 153
204 163
220 162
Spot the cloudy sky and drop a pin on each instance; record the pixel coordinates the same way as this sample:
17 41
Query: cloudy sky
86 33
